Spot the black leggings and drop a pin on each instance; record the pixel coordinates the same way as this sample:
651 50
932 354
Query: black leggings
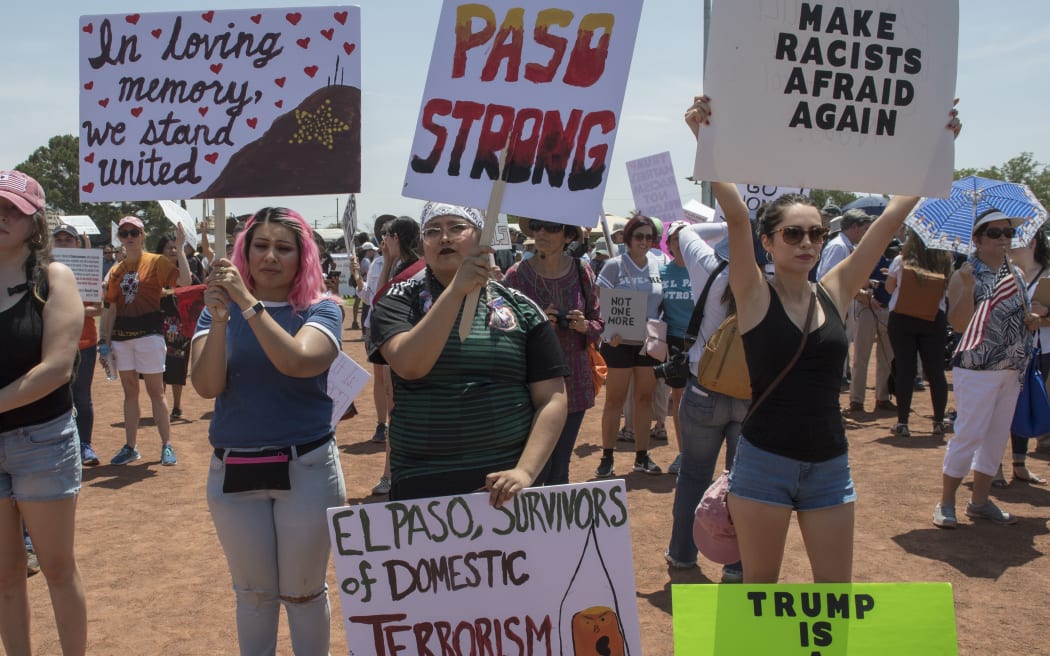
909 337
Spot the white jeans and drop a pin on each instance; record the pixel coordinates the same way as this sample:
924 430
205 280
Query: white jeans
276 544
985 401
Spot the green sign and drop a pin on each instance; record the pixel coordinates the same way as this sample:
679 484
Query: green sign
815 619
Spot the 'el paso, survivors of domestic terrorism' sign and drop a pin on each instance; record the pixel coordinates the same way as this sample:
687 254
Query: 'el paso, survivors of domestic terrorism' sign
548 573
544 82
219 104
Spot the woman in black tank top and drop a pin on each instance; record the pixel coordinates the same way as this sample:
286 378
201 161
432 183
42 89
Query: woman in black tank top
792 452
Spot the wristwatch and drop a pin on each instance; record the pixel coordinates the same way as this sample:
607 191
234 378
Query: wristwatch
252 311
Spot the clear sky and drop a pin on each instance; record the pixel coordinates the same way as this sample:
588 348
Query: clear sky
1003 59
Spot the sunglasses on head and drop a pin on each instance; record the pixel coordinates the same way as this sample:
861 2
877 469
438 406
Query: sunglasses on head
536 225
793 234
995 233
124 234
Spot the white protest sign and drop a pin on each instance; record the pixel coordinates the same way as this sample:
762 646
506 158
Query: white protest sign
697 212
220 104
544 82
86 264
832 95
623 312
549 573
654 187
113 237
755 194
82 223
178 216
346 379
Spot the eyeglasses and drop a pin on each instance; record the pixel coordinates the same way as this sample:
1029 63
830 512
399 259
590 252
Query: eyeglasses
124 234
454 231
642 236
553 228
995 233
793 234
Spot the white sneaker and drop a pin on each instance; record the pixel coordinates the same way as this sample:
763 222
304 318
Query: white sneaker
382 487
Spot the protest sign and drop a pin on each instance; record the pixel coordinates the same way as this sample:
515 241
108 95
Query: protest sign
697 212
219 104
832 95
654 187
858 619
548 573
544 83
86 264
755 194
346 379
623 312
82 223
181 217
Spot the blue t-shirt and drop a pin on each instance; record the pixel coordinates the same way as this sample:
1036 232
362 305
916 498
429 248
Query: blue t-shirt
260 406
678 298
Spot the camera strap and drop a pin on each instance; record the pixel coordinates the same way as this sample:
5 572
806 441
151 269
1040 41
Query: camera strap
698 310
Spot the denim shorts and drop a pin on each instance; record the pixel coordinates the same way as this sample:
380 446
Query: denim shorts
759 475
41 462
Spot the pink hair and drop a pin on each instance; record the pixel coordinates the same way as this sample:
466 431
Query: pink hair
308 283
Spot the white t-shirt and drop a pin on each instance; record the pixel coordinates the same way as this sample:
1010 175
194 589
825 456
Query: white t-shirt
897 272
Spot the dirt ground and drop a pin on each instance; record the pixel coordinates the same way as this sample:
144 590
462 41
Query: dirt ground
157 581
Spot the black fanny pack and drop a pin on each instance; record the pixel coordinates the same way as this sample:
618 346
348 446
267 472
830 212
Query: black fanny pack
262 470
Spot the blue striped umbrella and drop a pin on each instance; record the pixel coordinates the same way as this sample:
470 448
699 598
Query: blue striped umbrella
947 223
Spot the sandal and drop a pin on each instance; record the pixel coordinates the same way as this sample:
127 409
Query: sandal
1000 481
1027 476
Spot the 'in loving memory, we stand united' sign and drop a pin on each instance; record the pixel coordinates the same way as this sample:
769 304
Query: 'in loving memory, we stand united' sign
549 573
544 82
214 104
833 95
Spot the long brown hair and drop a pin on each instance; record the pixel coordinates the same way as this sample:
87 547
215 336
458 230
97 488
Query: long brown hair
915 254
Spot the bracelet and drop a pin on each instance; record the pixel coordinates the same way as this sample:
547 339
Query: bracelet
250 312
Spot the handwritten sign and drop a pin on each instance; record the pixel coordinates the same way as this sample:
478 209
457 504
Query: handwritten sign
544 82
832 95
86 264
655 188
623 312
220 104
346 379
549 573
860 619
755 195
82 223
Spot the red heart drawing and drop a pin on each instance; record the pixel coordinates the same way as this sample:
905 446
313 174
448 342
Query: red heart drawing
89 187
208 15
279 81
279 103
294 17
304 42
256 18
349 47
252 122
328 33
156 33
90 158
310 70
89 28
132 18
341 17
104 102
136 111
202 110
89 85
211 157
215 68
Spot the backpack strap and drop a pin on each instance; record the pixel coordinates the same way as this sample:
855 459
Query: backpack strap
698 310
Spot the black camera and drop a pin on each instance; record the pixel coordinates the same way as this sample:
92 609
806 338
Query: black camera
561 318
676 370
893 249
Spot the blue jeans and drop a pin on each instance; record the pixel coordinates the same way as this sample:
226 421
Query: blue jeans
706 419
556 471
82 394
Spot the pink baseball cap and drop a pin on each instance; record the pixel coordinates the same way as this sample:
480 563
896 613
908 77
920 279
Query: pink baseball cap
713 529
131 220
22 190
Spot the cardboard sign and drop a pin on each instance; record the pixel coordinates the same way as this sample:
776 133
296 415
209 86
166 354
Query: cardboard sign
549 573
86 264
544 82
859 619
220 104
832 95
655 188
346 379
754 195
624 314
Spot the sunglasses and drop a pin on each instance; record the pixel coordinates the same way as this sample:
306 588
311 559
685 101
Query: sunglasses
995 233
552 228
793 234
124 234
642 236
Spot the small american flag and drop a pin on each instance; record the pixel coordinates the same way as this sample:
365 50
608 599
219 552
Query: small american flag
1006 285
13 182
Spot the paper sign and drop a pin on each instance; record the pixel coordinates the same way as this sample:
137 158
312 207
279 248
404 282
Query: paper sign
654 187
860 619
82 223
86 264
697 212
346 379
220 104
546 83
113 237
549 573
624 314
178 216
755 195
832 95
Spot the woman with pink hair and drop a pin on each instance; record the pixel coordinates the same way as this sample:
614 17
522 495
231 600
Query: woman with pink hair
264 344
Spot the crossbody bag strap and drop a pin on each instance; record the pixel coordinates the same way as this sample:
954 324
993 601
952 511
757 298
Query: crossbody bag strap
798 353
698 310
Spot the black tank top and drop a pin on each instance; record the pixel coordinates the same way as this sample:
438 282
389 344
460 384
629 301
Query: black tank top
801 418
21 334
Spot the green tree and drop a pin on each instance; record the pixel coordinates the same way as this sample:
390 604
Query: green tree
1024 169
825 197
